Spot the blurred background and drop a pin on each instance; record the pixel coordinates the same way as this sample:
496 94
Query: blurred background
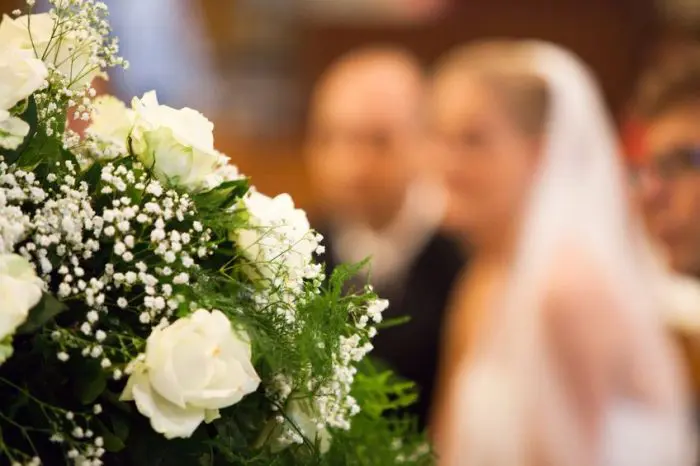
249 65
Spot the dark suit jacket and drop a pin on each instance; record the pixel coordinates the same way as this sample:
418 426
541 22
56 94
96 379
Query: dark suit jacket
413 349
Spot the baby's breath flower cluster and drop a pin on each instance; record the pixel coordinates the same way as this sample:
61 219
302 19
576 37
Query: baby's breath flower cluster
149 290
279 241
73 39
334 403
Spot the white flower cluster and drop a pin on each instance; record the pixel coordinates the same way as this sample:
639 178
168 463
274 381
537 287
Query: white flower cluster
72 43
122 244
110 128
85 447
212 372
178 145
72 39
16 188
420 452
21 74
280 245
136 231
332 406
63 224
334 403
56 223
21 290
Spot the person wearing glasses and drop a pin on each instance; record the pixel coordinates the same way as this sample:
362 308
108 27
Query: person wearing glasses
666 154
667 107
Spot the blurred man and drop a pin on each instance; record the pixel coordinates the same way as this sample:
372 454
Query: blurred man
365 154
668 111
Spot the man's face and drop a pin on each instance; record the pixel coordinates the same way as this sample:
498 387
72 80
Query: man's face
670 185
360 149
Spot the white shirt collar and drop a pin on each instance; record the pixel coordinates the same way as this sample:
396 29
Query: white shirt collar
395 247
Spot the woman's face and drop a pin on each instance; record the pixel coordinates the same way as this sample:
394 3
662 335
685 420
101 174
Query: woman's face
487 160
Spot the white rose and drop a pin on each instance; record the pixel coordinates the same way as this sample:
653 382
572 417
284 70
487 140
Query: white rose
111 122
280 239
302 415
73 55
13 130
177 144
6 350
226 172
193 368
21 73
20 289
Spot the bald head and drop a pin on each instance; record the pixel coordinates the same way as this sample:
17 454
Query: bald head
365 131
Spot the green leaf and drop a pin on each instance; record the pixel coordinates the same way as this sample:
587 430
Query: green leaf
20 401
120 426
48 308
41 149
395 322
93 388
114 401
29 115
92 175
67 155
112 442
149 448
223 196
344 272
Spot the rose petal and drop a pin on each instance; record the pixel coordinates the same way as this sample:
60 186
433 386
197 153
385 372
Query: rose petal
192 362
13 130
166 418
226 389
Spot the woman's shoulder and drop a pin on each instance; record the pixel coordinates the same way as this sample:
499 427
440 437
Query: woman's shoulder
579 272
582 295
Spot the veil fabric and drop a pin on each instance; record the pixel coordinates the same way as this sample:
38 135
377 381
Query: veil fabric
578 203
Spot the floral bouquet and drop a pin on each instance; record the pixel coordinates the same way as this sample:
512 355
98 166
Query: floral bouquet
156 310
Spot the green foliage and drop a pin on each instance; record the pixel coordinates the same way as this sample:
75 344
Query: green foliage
60 390
378 437
29 114
242 434
223 196
48 308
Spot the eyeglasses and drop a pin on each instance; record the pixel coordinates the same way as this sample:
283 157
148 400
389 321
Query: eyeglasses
671 164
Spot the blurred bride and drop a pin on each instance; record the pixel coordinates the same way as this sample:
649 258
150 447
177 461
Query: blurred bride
555 353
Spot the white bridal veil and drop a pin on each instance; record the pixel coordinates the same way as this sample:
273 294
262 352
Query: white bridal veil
580 203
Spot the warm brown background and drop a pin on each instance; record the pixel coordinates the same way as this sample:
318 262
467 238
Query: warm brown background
615 37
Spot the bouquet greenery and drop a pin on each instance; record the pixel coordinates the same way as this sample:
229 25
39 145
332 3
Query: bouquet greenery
156 310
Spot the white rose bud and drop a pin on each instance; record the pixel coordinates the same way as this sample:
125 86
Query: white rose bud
20 289
13 130
21 73
305 419
192 368
112 122
71 54
280 236
178 145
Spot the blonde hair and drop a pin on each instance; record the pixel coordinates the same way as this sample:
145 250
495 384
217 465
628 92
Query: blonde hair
507 66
